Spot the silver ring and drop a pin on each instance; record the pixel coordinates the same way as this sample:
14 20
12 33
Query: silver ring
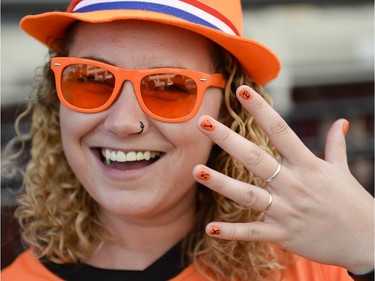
142 127
270 200
274 175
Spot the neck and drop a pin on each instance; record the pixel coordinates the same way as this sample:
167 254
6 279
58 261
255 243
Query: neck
136 243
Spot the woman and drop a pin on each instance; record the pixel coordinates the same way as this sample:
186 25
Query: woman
124 122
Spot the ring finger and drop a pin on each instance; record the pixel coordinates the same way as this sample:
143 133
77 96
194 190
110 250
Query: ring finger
245 194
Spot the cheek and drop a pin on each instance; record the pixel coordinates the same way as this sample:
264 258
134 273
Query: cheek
212 103
72 122
194 146
70 135
73 127
66 124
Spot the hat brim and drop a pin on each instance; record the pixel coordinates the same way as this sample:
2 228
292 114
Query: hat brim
261 64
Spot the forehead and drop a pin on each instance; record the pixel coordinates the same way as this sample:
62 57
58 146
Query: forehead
141 40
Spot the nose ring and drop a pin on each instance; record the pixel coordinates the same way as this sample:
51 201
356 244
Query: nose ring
142 127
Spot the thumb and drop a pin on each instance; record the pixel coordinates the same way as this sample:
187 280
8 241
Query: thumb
335 149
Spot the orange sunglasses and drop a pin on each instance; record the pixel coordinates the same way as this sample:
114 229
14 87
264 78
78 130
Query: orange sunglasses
165 94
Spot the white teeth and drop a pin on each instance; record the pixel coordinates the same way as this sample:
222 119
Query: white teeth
131 156
113 156
147 155
140 156
120 156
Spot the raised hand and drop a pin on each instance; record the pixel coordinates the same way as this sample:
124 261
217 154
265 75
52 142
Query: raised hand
313 207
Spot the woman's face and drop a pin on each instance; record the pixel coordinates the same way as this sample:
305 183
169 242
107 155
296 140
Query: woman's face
144 189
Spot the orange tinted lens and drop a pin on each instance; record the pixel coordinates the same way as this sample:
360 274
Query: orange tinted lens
169 95
87 86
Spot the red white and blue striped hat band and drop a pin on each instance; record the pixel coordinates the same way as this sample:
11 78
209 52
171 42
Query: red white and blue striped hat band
218 20
189 10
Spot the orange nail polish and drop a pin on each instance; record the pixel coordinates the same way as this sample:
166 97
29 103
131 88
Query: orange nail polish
245 94
208 125
204 175
214 230
345 127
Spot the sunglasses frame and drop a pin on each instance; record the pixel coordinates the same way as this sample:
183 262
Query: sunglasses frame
202 80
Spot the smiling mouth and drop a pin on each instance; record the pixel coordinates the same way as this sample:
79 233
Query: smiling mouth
121 160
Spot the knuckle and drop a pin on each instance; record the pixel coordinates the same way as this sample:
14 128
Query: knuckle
279 127
258 104
298 187
253 157
333 140
223 137
341 144
301 190
283 238
252 235
219 184
249 199
233 234
284 242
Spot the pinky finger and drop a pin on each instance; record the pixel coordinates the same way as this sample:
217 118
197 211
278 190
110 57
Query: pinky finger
254 231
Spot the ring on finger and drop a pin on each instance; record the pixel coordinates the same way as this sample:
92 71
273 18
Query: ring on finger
269 204
274 175
268 207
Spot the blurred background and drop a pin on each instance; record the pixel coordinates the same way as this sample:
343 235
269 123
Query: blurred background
327 52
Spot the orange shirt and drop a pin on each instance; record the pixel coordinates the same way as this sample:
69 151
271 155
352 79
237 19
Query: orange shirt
27 267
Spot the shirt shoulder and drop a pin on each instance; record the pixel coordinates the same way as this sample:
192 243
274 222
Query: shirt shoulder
27 267
301 270
306 270
189 274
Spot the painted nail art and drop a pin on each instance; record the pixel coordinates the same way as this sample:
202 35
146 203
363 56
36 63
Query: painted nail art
245 94
208 125
214 230
345 127
204 175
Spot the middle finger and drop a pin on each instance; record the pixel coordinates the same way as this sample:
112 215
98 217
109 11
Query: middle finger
250 155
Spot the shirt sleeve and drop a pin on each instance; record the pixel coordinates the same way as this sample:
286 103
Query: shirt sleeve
27 267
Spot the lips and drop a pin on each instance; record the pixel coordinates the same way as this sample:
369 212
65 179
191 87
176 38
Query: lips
130 160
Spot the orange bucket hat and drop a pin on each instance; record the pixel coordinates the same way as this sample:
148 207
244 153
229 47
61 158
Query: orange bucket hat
218 20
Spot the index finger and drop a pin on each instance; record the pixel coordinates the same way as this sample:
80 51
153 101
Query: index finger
280 134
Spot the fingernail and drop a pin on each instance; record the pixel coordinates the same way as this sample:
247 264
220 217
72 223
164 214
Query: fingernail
245 94
204 175
345 127
214 230
207 124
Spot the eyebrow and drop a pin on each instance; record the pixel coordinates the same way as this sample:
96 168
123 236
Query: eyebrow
110 63
99 59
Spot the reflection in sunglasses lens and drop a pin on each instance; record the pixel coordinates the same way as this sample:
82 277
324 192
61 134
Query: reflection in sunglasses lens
87 86
169 95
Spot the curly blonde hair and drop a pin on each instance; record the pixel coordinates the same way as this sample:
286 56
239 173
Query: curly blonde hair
59 220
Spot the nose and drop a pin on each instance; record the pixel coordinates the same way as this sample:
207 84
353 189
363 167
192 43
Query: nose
125 116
